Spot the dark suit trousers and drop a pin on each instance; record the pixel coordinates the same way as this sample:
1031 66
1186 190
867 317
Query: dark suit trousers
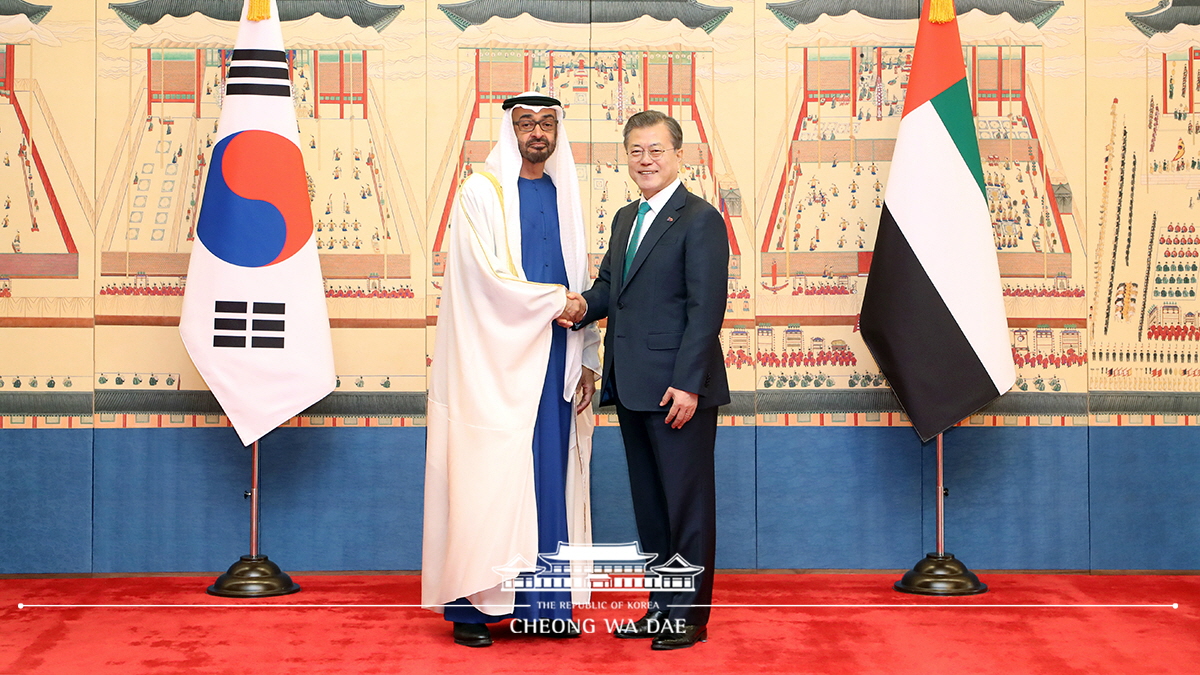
671 474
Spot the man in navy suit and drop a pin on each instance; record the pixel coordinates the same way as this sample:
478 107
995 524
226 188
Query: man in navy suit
663 285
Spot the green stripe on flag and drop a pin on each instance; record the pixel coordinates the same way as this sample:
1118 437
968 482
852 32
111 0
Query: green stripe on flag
954 107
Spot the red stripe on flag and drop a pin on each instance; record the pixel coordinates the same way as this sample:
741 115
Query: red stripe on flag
937 61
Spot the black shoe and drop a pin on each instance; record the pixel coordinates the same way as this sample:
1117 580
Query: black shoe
651 624
672 639
472 634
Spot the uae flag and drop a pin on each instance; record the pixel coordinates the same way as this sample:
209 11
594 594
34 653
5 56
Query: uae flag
254 318
933 309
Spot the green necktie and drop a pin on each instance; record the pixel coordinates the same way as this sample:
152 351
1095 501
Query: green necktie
633 239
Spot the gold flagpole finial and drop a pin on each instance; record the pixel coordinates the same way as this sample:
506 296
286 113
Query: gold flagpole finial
260 10
941 11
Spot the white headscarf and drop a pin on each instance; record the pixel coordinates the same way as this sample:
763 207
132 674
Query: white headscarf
504 162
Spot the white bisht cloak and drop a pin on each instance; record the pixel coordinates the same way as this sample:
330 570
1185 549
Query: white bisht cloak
489 366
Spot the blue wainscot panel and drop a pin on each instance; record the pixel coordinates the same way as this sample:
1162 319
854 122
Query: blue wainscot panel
343 498
737 541
1018 496
1145 484
612 505
45 501
838 498
169 500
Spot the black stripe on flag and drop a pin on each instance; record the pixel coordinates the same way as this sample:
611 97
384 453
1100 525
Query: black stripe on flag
269 307
268 324
270 342
916 341
259 71
251 88
259 55
231 307
229 324
229 340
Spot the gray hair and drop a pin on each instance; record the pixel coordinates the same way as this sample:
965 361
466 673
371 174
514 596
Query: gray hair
649 118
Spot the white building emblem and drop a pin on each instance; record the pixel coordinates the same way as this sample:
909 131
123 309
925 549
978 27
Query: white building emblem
598 567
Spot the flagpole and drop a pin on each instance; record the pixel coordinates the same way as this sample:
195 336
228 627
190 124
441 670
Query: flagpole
254 498
941 501
253 575
940 573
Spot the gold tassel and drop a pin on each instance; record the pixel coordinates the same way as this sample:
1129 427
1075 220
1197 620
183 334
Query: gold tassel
260 10
941 11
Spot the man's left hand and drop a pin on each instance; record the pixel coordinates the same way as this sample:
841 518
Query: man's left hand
683 406
585 390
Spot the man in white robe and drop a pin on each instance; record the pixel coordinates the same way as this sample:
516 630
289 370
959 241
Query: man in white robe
491 362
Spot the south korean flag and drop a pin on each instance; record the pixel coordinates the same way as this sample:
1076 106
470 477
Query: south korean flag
254 319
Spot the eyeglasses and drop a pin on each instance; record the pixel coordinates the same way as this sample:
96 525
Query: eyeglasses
527 125
654 153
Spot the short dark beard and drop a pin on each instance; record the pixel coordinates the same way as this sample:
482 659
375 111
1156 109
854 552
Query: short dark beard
537 156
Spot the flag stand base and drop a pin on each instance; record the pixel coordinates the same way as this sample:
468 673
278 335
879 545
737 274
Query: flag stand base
253 577
940 575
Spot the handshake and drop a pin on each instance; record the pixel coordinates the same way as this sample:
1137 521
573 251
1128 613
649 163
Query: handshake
573 312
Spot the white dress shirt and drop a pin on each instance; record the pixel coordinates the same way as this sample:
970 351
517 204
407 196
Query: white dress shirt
657 202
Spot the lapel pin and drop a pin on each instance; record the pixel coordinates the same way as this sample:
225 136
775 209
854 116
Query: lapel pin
670 219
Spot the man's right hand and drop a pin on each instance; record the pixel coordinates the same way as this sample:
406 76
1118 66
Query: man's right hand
574 311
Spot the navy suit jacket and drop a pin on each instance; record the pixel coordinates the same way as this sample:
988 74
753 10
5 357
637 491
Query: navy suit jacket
664 321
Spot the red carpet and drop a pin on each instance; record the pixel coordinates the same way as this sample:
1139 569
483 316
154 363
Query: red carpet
923 635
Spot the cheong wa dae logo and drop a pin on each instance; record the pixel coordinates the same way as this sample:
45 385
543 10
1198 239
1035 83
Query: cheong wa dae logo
598 567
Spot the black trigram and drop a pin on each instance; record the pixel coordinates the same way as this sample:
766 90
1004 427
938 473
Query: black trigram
228 320
262 72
